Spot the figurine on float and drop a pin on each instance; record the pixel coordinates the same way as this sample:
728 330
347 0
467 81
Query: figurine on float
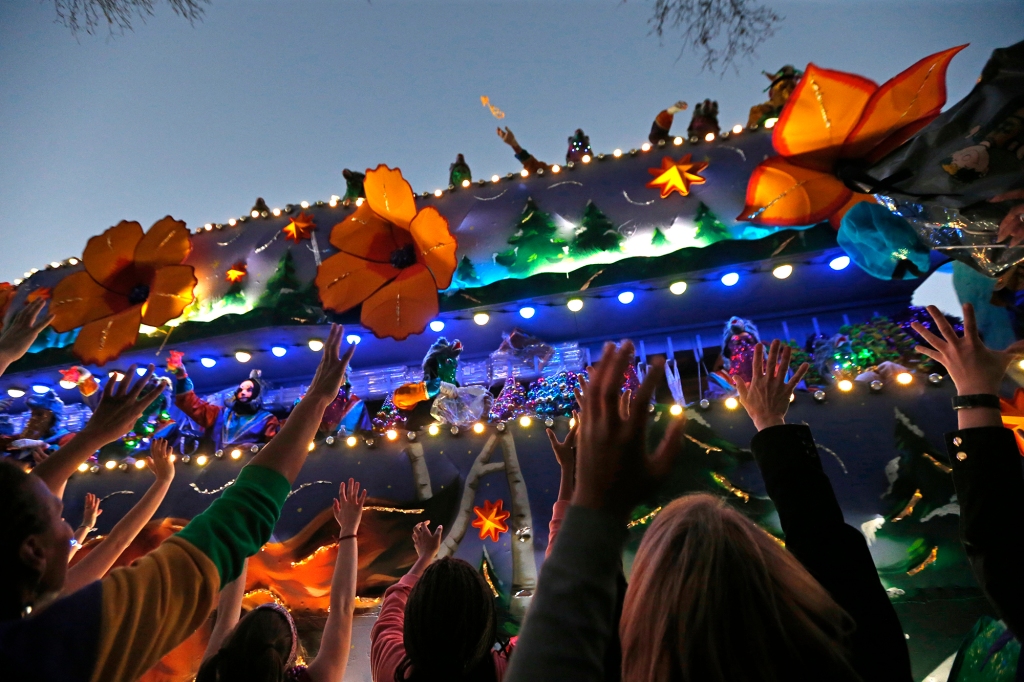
43 431
579 146
739 339
663 123
705 120
347 414
353 186
453 404
783 83
241 421
459 172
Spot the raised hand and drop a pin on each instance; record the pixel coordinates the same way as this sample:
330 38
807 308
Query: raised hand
973 366
624 399
565 450
121 405
677 107
160 462
614 469
766 396
508 138
91 512
427 544
330 375
17 337
348 507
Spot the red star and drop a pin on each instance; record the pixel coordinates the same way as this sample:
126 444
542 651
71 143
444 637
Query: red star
236 272
677 176
301 227
491 520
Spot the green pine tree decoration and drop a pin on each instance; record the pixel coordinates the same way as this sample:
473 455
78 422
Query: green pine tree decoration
534 244
659 239
283 281
596 234
466 273
709 228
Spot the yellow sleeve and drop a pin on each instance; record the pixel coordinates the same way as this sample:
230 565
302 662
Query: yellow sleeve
152 606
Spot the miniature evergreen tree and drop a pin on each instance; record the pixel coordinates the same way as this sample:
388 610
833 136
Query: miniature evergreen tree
534 244
659 239
596 233
466 272
283 281
388 417
709 228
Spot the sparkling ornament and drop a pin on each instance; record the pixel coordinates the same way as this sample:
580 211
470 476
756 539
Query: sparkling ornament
500 427
95 468
388 417
329 440
218 454
254 448
553 395
370 442
549 422
411 436
819 396
935 378
705 404
524 534
454 430
651 408
123 466
185 459
510 402
876 385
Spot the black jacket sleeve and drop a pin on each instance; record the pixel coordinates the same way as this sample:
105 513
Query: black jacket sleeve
833 552
990 488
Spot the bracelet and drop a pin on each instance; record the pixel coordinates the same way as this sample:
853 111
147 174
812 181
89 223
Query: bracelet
346 537
966 402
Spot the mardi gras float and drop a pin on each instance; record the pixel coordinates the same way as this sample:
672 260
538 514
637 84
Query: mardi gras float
477 307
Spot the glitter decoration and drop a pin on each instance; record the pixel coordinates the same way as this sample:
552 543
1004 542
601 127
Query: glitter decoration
932 556
644 519
214 491
510 403
388 417
909 509
554 395
727 485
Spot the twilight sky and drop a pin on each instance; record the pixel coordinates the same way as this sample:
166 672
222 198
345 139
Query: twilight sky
273 98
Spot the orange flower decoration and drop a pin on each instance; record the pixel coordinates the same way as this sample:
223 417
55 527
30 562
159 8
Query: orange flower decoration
129 279
300 227
833 119
1013 416
677 176
237 272
393 259
491 520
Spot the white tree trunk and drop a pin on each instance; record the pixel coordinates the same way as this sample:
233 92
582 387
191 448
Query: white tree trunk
524 562
420 474
481 467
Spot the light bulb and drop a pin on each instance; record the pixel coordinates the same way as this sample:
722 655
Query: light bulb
677 288
783 271
730 278
525 173
839 263
845 385
526 312
67 385
351 441
556 168
140 464
732 403
236 454
675 410
359 201
770 123
254 213
304 204
465 183
243 356
904 378
110 464
572 422
207 362
626 297
391 434
279 351
586 158
232 222
353 339
677 141
495 178
141 371
646 146
84 466
575 304
316 345
39 389
481 318
478 428
201 460
737 129
710 137
617 153
525 421
311 447
437 326
438 192
433 429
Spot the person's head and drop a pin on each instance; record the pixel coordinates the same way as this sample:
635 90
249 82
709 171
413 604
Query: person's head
261 648
442 360
967 164
245 391
450 625
714 598
35 541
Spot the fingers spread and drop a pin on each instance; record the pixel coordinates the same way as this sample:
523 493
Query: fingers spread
970 323
798 375
928 336
773 359
943 324
757 367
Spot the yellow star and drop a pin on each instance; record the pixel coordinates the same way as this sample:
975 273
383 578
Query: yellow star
236 272
677 176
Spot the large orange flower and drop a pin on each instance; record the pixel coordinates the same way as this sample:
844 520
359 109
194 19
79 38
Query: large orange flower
393 259
835 118
129 279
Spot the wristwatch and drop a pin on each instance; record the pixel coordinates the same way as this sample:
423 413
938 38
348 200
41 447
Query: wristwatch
966 402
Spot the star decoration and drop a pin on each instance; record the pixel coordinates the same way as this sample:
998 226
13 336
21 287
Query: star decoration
71 375
43 293
1013 416
676 176
237 272
300 227
491 520
174 360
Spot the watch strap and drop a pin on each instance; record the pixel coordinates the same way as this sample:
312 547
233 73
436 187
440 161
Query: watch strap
966 402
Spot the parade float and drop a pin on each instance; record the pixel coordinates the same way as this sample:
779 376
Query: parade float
477 306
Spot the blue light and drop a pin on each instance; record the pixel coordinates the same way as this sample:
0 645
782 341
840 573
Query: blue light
730 278
840 263
526 312
437 326
626 297
278 351
40 389
207 362
141 370
353 339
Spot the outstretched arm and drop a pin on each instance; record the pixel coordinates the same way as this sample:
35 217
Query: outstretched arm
17 337
329 664
121 405
89 516
229 611
286 452
99 560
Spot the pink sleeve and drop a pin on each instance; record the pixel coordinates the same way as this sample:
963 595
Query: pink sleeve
557 514
387 641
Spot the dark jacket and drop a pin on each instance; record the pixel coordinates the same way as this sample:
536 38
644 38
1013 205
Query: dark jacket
990 488
834 553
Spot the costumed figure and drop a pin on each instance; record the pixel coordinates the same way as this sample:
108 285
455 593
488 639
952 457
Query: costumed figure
1005 132
241 421
353 186
739 339
459 172
783 83
453 404
663 123
346 414
705 120
579 146
530 163
42 430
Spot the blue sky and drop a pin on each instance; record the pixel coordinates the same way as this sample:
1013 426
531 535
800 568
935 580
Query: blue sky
274 98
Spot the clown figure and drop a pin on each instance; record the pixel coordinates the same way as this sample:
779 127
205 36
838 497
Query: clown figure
43 431
241 421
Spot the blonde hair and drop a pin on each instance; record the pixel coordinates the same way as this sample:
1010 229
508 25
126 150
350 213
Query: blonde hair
713 598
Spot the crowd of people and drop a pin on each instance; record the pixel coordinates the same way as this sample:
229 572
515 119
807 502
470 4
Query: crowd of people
710 596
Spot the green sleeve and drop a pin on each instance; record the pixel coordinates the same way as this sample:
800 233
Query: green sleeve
240 521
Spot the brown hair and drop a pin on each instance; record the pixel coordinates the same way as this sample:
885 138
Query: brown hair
714 598
24 514
257 650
